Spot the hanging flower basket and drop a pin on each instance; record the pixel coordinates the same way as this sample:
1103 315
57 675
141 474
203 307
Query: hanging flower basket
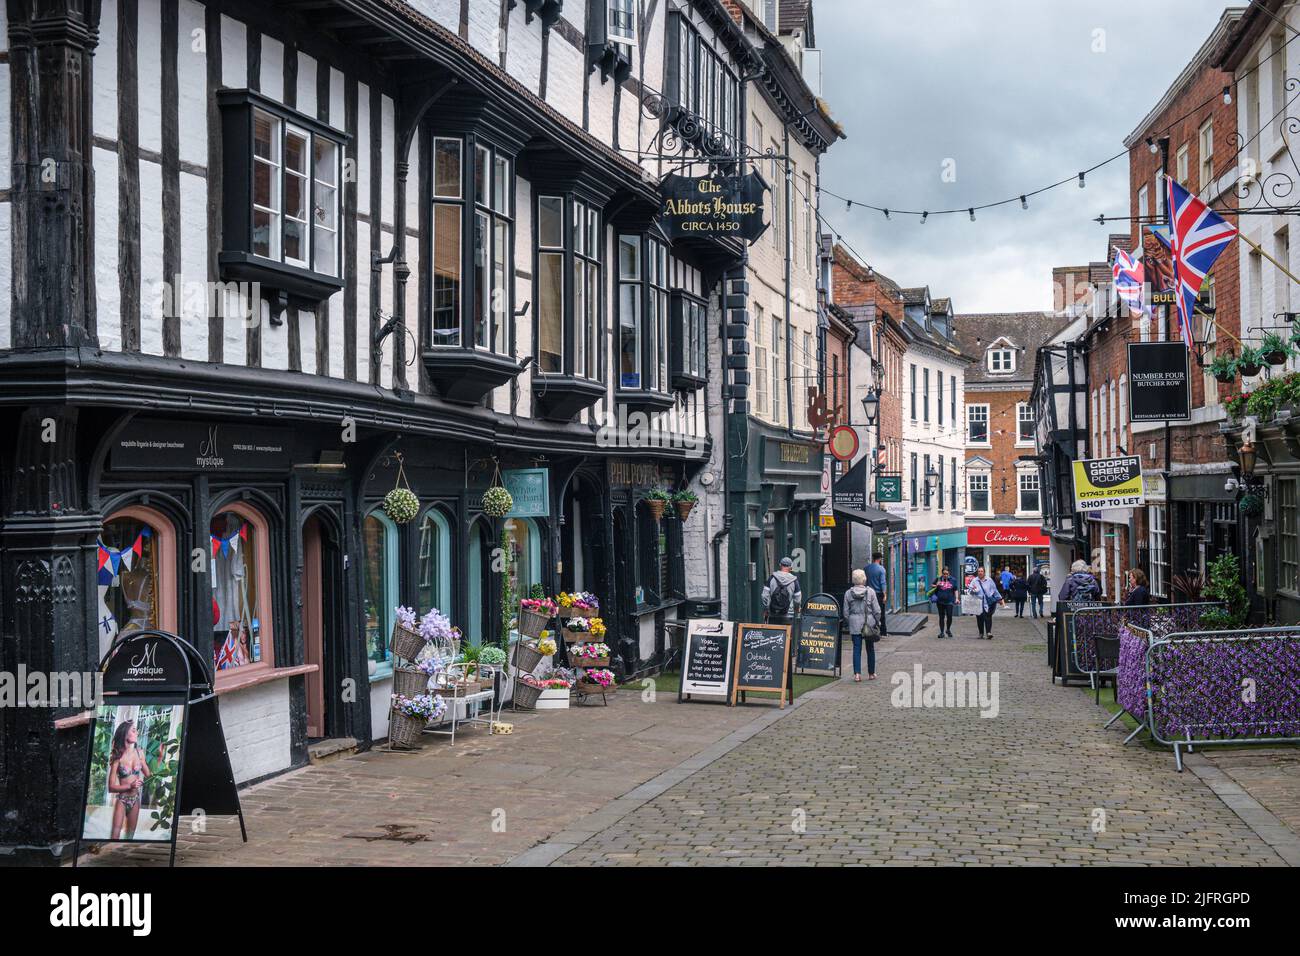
684 501
403 731
401 504
527 656
656 506
410 681
497 502
1251 505
534 614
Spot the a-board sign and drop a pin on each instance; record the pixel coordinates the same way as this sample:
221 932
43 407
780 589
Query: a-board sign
762 659
817 646
706 661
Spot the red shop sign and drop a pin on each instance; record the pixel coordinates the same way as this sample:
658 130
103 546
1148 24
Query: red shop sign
1018 536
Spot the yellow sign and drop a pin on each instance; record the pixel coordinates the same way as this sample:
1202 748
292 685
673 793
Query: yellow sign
827 521
1108 483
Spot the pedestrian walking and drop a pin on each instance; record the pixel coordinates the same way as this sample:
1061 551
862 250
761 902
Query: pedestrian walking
876 581
989 595
1080 585
1004 579
1018 593
1036 585
781 595
862 618
1138 594
944 595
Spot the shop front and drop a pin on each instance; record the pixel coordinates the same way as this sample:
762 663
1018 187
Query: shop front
1021 547
925 555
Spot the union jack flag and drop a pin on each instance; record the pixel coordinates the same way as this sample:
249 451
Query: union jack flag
1127 270
1197 235
226 654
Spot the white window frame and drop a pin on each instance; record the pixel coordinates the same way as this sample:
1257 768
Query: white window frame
1157 550
978 412
1182 164
614 32
1024 413
1027 480
979 480
1144 205
1001 361
1205 146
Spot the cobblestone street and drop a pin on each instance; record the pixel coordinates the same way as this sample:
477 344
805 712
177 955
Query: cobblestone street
878 784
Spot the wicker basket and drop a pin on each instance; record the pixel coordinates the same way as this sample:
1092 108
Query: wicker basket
526 695
591 687
589 661
403 731
532 623
409 681
579 612
406 643
527 656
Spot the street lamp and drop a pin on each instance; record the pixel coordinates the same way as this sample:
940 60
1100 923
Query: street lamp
871 406
1247 457
932 477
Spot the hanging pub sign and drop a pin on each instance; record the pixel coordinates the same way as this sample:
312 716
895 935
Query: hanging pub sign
1102 483
818 644
156 747
851 490
889 488
1159 382
530 490
762 661
709 207
706 660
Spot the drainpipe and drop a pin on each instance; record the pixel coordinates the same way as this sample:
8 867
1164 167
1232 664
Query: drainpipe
787 212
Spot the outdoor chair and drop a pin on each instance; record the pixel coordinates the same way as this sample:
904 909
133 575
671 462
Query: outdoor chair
1107 649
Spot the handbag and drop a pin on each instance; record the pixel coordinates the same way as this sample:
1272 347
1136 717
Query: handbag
972 604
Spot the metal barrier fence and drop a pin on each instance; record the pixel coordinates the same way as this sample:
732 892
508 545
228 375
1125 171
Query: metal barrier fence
1213 687
1086 623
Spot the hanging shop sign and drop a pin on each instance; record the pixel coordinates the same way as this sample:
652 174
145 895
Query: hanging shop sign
851 490
1017 536
710 207
818 645
1108 483
706 661
157 446
843 442
530 489
762 660
889 489
156 747
1159 382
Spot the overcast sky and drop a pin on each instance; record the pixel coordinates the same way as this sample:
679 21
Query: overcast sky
1011 91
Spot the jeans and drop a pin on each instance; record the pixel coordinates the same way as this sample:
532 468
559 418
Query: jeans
1020 607
884 628
858 641
985 622
1036 605
945 615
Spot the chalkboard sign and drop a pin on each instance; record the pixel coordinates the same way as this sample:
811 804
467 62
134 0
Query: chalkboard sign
818 644
706 666
763 659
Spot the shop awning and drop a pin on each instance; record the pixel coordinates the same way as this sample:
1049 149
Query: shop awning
874 518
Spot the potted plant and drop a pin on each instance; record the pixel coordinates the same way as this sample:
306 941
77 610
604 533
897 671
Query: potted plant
684 501
1274 349
597 681
528 654
407 640
578 604
527 689
578 630
534 613
1224 368
656 500
1225 586
410 715
1251 505
555 690
590 655
1249 362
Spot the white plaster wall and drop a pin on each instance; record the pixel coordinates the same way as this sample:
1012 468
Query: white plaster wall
256 724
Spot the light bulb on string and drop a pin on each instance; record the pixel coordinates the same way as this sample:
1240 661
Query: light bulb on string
924 217
1227 96
886 213
1151 143
1024 203
972 213
1081 182
848 205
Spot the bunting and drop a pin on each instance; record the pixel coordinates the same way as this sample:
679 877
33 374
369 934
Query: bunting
225 545
110 561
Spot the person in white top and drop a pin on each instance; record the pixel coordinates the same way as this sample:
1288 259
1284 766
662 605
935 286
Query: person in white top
983 587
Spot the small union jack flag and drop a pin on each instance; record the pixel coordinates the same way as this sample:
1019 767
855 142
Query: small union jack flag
226 656
1197 235
1127 270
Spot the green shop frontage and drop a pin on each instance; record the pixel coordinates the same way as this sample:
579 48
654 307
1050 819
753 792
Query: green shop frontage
775 497
925 554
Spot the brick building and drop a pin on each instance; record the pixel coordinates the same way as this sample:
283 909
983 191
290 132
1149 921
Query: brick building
1001 480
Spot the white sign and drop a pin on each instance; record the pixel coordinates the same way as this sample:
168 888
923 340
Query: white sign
828 483
706 659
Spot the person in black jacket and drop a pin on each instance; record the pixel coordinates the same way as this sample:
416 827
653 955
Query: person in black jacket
1017 594
1080 585
1138 594
1036 584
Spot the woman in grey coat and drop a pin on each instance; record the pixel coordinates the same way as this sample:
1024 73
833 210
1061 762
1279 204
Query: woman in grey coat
862 618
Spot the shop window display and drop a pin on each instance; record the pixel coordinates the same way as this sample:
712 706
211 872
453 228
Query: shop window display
236 607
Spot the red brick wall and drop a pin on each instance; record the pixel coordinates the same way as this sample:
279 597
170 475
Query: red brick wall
1003 453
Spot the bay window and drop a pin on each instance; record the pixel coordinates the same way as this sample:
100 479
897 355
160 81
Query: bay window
643 303
473 227
690 341
281 198
704 89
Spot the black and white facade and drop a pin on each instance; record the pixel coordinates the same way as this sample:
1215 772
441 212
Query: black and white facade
264 262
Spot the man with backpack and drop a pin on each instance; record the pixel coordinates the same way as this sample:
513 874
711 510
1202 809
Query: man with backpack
876 581
781 595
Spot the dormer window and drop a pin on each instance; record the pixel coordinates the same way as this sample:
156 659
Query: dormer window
1001 361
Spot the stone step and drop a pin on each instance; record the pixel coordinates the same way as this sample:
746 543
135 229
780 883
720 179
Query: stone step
331 748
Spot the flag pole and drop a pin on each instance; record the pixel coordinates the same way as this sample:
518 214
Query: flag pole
1258 248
